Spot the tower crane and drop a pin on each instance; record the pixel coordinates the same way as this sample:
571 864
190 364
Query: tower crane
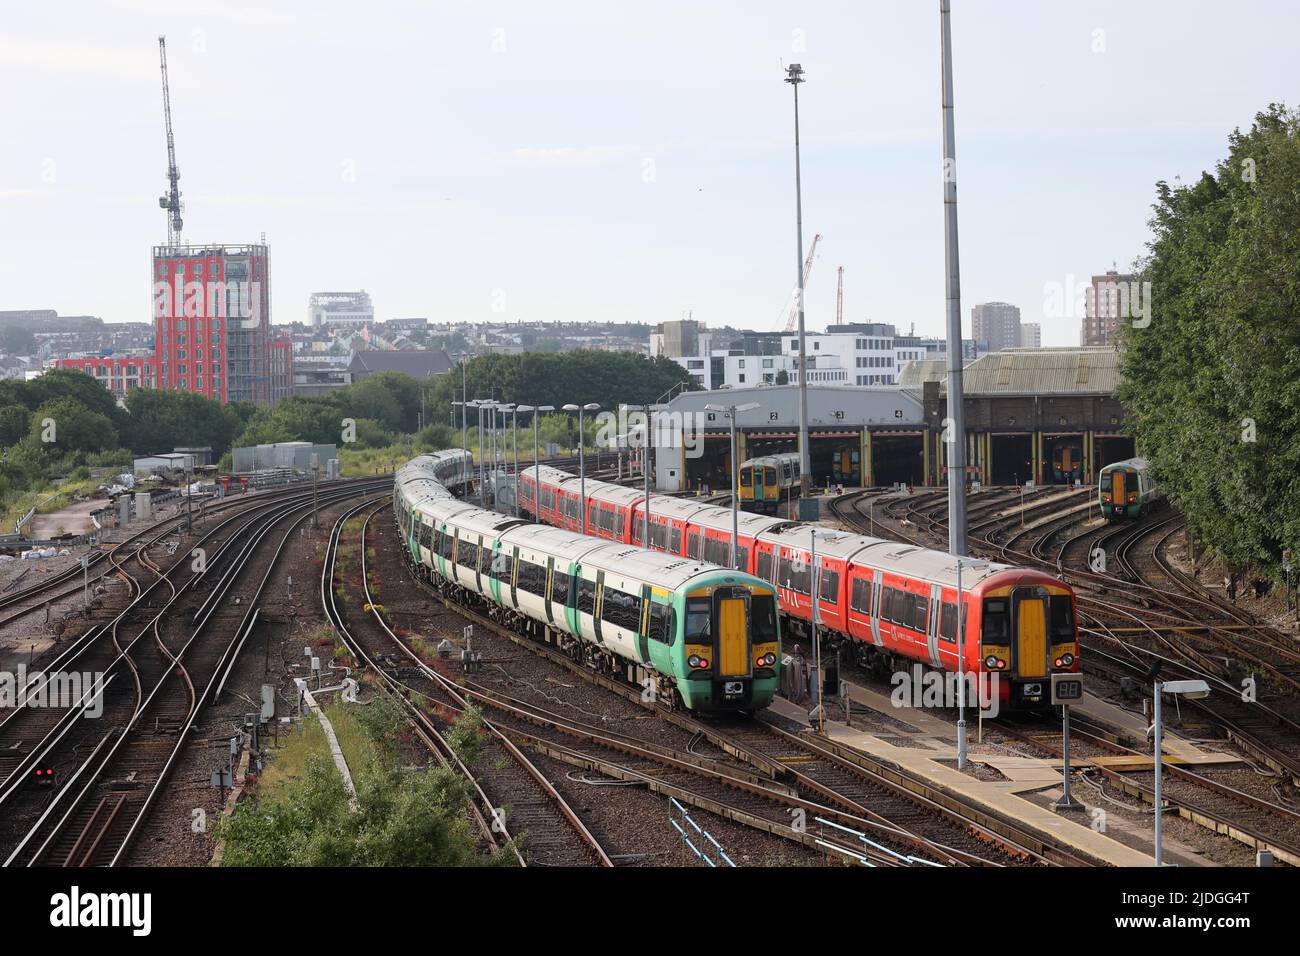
171 201
792 320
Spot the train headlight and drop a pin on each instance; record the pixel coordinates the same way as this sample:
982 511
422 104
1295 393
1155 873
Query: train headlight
991 662
1066 660
693 660
766 660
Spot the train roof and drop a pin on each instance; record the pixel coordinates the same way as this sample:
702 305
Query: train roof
556 541
654 567
938 567
1137 464
547 473
614 494
676 509
485 522
718 518
777 459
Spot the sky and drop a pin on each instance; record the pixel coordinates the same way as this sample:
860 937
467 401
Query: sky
612 160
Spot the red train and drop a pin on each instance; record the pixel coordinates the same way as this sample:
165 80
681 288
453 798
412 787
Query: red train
884 603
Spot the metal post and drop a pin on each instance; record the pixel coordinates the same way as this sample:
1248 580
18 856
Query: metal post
1159 761
1066 802
482 462
645 474
315 501
735 496
794 76
956 429
514 435
464 397
582 469
961 677
817 647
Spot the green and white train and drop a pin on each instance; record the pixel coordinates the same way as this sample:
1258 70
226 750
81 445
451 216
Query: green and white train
1125 490
697 635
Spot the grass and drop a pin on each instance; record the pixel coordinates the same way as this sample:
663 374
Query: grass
289 761
47 499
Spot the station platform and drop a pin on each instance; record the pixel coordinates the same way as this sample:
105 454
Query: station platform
924 744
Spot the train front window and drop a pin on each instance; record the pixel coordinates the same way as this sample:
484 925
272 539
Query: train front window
1105 481
698 613
996 625
1062 609
746 478
762 619
769 475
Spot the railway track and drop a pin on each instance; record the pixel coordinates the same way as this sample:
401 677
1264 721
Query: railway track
162 658
956 833
555 835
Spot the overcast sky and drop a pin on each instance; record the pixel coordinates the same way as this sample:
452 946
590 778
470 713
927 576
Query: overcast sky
614 160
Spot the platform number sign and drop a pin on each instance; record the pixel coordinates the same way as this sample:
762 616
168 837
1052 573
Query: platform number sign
1066 689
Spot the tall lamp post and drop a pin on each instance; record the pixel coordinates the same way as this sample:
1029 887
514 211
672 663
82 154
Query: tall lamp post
582 458
730 411
972 564
816 534
1192 690
794 76
645 468
514 425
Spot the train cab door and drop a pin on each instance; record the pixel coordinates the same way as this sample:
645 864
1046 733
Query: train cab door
731 630
1029 612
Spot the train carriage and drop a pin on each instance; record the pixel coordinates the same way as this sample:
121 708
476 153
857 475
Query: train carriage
768 480
1125 490
708 535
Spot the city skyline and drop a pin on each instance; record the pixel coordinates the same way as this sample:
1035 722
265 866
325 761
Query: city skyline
473 167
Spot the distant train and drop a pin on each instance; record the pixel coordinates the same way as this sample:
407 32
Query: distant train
1125 490
885 603
767 481
1067 461
701 636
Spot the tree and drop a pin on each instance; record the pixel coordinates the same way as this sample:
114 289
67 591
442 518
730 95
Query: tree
1211 386
16 340
160 420
14 420
66 425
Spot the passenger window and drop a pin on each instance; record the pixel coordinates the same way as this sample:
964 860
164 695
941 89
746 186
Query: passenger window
860 599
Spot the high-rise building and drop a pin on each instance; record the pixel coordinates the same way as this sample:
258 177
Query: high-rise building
341 308
281 370
1107 301
1031 335
212 317
997 323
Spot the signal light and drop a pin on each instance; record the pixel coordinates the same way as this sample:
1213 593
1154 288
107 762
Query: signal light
45 777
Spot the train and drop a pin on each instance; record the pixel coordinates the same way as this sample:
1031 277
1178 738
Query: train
696 635
767 481
882 604
1125 490
1067 461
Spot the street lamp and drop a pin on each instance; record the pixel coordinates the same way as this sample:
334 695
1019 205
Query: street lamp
730 411
794 76
514 413
1192 690
974 564
816 535
582 459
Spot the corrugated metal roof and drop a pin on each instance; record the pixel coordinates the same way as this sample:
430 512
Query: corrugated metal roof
1059 371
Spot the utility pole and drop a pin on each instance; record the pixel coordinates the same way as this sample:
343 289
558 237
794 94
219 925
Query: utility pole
315 503
955 430
794 76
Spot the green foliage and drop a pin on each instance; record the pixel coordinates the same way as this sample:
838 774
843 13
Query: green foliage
559 378
1222 353
162 420
14 420
72 426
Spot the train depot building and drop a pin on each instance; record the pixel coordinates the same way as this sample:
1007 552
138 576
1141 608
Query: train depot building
1045 415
